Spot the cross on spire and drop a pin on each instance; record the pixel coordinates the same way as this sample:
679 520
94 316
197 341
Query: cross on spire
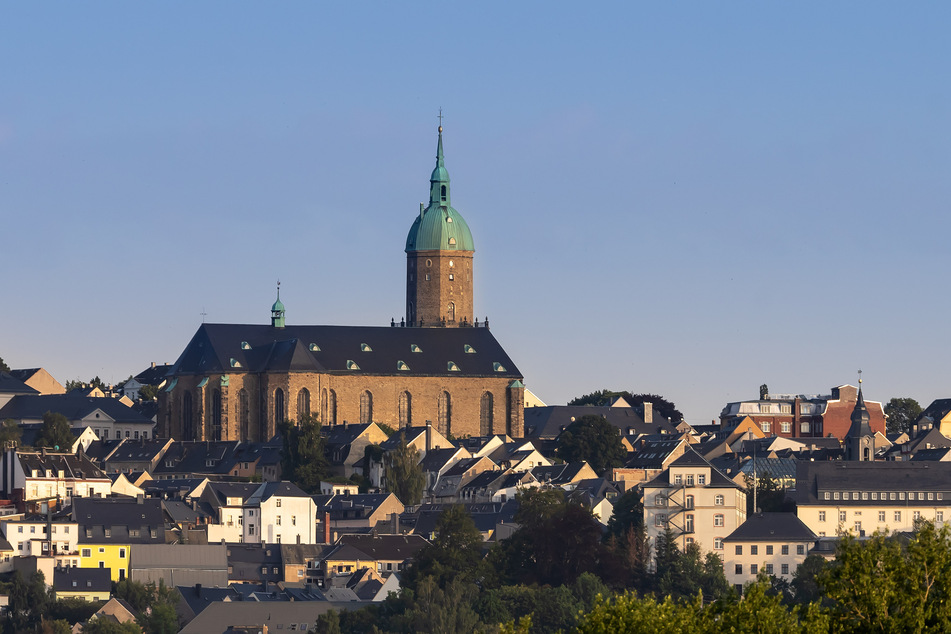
440 118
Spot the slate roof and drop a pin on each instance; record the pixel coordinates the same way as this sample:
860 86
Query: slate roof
225 490
485 515
194 456
692 459
182 513
300 554
328 349
9 384
814 478
268 490
773 527
200 597
86 579
386 547
73 407
651 454
72 465
436 459
173 487
153 375
120 516
551 420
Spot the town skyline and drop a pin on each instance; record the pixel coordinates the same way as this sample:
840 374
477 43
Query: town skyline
684 201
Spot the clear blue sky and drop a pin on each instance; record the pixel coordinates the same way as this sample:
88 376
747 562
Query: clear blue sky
687 198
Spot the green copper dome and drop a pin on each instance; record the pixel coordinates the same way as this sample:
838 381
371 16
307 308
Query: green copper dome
278 306
439 227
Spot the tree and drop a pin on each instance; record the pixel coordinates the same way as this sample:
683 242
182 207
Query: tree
805 583
302 459
455 553
134 593
901 413
160 617
763 392
148 393
595 440
55 432
628 513
444 610
10 431
604 397
3 366
404 475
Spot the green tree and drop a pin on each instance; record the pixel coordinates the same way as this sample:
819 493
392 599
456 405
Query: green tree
628 513
455 553
10 431
770 497
160 617
763 392
593 439
55 432
302 459
631 615
3 366
134 593
684 574
604 397
901 413
805 582
757 608
404 475
444 610
73 610
108 626
148 393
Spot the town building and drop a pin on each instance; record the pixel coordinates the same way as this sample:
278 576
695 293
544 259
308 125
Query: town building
773 543
695 503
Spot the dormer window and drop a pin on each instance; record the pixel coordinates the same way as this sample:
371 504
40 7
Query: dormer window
414 348
452 367
351 365
245 345
401 365
313 347
498 367
469 349
365 347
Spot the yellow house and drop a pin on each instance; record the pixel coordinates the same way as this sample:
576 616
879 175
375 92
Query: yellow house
114 557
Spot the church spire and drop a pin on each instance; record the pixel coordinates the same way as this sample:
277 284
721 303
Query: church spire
439 181
277 310
860 440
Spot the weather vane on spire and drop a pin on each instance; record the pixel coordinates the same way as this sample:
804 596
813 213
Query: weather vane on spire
279 289
440 118
860 377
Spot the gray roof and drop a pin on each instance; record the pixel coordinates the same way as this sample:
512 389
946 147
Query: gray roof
328 349
813 479
773 527
217 617
120 517
10 384
551 420
86 579
72 406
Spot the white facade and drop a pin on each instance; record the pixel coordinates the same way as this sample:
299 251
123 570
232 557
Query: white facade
28 537
266 517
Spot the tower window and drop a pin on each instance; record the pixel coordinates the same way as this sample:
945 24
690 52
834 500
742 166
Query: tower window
427 277
429 262
442 193
451 277
448 219
452 241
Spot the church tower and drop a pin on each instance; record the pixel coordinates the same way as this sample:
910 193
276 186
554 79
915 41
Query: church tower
439 251
860 440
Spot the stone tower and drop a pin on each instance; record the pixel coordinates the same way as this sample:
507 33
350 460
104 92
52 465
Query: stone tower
439 251
860 440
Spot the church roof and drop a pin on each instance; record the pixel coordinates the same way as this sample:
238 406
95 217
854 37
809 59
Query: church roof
371 350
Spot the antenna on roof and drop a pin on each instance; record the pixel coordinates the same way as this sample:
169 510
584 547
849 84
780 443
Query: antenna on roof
203 314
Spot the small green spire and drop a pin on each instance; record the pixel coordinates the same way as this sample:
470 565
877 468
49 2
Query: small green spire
439 181
277 310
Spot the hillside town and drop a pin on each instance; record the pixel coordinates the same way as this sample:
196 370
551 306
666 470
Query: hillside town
404 477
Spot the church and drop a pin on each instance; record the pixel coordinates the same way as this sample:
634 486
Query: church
438 365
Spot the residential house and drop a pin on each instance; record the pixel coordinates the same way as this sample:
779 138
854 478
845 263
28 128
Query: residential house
695 502
107 417
40 380
773 543
137 455
39 536
35 478
353 512
550 421
269 512
109 527
254 563
180 564
88 584
345 446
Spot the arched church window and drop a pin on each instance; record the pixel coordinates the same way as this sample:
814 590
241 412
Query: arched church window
303 403
366 407
216 415
188 421
279 415
328 407
445 413
406 409
485 414
429 262
243 414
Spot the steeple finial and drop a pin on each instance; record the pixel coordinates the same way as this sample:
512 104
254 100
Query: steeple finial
277 310
439 180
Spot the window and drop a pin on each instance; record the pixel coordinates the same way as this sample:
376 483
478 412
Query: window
660 519
822 515
87 552
660 500
293 520
278 520
738 569
688 503
108 532
405 406
701 479
769 569
366 407
769 549
754 549
897 516
486 413
718 519
718 543
916 515
841 516
19 529
785 569
881 516
800 549
804 428
835 495
718 500
786 428
689 479
754 569
939 516
678 479
444 411
122 553
891 496
765 426
739 549
784 549
688 524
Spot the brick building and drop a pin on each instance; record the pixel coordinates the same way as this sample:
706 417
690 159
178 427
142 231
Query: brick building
805 416
240 381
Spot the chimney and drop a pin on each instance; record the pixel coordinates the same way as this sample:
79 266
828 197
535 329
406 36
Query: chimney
429 435
140 499
395 522
153 365
327 527
197 585
648 412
